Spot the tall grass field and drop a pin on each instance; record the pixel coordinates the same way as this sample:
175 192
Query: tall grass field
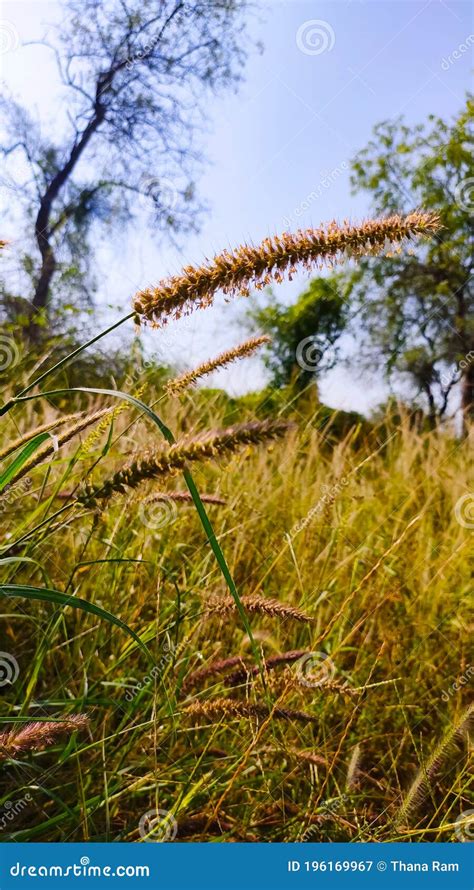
231 619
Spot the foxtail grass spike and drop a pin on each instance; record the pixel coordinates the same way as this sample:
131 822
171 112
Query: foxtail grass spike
49 450
231 708
235 271
221 361
448 747
222 605
175 458
35 736
244 671
44 428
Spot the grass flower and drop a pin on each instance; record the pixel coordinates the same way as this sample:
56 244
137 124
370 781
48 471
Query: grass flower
256 604
44 428
230 708
82 424
221 361
243 672
235 271
35 736
449 746
175 458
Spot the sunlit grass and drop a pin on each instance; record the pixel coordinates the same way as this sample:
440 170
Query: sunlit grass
361 532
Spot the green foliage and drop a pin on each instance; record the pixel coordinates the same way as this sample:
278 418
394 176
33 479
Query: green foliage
304 334
417 307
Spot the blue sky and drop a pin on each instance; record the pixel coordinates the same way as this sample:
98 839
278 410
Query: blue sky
279 151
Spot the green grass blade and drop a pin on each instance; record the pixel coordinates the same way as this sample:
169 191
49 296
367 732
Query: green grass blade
117 394
204 518
21 458
49 595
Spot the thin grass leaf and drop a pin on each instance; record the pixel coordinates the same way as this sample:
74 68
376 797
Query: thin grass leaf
21 459
205 521
49 595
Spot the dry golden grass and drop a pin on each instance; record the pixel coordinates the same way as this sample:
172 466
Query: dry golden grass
381 569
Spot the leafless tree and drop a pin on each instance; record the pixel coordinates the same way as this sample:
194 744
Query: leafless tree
136 75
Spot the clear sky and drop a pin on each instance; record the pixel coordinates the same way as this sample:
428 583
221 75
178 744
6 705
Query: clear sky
278 151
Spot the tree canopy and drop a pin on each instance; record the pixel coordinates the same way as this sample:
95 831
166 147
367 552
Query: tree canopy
416 307
134 76
304 335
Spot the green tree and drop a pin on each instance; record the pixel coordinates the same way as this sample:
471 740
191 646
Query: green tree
416 308
304 335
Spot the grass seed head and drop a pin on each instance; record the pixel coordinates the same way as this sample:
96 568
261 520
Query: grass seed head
176 386
35 736
165 463
256 604
235 271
